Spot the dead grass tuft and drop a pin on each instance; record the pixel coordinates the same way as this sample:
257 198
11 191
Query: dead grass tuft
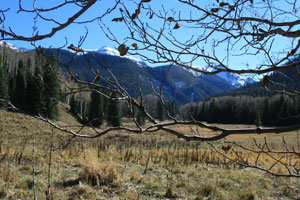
99 173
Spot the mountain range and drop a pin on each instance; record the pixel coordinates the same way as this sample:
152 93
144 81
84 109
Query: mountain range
234 79
134 74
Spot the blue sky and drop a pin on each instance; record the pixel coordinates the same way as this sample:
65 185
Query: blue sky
22 23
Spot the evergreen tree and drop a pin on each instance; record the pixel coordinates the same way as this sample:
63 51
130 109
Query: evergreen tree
3 84
95 114
19 99
140 119
172 109
84 110
160 111
75 107
228 112
28 65
35 89
285 113
51 87
114 115
275 108
266 112
212 115
258 121
12 87
201 113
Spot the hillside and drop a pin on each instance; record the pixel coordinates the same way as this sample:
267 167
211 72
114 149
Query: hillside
122 165
253 103
180 84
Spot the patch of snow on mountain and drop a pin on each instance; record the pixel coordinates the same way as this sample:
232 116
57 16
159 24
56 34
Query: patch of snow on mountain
108 51
179 84
235 79
113 52
207 69
13 47
9 45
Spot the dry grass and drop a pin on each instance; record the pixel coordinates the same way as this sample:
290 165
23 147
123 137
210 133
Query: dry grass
99 173
134 167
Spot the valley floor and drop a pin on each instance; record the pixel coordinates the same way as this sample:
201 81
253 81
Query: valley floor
35 162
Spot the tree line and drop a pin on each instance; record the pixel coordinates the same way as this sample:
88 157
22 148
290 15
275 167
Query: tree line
99 109
35 90
277 110
32 85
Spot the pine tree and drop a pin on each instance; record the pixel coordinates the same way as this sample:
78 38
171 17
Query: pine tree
35 89
160 111
95 114
266 112
258 121
275 108
3 84
172 109
19 99
140 119
84 110
114 112
28 65
12 87
201 113
75 107
51 87
285 113
212 113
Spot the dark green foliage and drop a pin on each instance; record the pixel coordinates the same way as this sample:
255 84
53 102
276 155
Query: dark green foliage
19 98
74 106
213 112
140 119
3 84
276 111
28 65
161 111
84 108
258 120
51 88
114 115
96 114
172 108
79 109
180 84
12 87
35 90
199 112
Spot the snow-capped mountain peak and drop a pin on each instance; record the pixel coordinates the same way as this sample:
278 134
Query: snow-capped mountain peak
105 50
114 52
235 80
6 44
12 46
206 69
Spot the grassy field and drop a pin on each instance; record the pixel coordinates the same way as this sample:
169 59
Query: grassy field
35 162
